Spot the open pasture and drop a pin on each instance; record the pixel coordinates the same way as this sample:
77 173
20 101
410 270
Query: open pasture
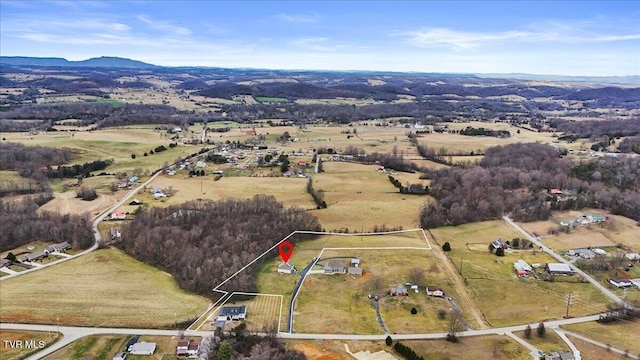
359 197
103 288
290 191
503 298
319 309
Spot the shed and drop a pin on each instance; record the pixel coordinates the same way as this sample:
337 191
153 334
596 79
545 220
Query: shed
119 356
353 270
558 269
522 265
143 348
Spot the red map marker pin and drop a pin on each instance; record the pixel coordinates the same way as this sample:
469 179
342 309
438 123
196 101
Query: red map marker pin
285 249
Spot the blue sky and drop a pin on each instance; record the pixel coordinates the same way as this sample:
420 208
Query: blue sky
597 38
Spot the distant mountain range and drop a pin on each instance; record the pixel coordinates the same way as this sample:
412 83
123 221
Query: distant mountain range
123 63
99 62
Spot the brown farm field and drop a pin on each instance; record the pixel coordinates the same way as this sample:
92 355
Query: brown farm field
359 197
30 343
103 288
290 191
505 299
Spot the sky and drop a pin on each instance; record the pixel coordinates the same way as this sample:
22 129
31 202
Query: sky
579 38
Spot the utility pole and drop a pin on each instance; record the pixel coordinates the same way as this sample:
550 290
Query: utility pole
568 299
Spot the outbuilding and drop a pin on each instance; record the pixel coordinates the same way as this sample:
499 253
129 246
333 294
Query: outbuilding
143 348
558 269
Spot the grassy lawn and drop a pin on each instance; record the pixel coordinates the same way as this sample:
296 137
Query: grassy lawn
8 337
103 288
505 299
621 334
312 295
320 310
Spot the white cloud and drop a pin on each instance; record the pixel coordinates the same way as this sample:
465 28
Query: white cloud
299 18
164 26
545 32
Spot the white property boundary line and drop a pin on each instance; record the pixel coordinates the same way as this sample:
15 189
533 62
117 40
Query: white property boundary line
208 313
224 298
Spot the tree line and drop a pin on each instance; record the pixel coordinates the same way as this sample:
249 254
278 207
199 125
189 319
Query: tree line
202 243
514 179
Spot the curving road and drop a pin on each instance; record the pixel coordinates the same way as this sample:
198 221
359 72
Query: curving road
94 227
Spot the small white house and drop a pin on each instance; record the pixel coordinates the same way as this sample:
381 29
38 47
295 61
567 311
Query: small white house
143 348
286 268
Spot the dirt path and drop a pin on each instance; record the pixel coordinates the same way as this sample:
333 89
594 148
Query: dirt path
466 300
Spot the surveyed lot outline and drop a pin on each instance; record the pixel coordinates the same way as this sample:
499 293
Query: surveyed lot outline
227 295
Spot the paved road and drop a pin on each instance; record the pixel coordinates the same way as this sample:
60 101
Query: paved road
292 303
94 227
560 258
73 333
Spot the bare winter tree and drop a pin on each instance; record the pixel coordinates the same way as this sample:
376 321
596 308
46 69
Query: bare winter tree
456 325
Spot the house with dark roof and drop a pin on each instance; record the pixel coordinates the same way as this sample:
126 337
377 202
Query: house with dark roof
334 266
37 255
60 247
621 283
182 347
229 313
435 291
193 348
399 290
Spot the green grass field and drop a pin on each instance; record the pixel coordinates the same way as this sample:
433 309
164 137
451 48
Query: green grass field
113 102
103 288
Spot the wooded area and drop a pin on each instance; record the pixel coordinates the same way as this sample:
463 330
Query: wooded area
21 224
202 243
514 179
